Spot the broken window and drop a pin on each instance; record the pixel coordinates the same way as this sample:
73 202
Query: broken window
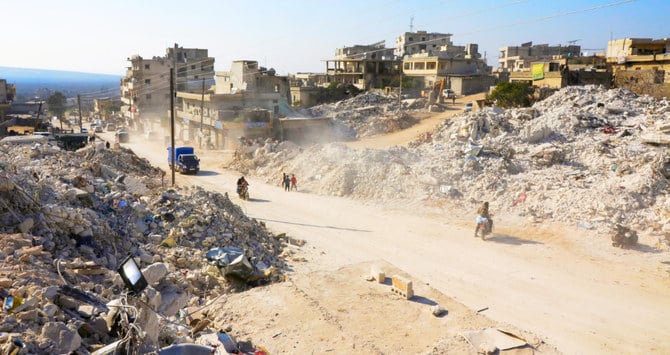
147 66
147 81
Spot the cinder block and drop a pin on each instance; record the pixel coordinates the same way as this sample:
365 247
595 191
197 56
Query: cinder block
378 274
402 286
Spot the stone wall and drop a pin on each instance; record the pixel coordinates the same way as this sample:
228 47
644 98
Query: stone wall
643 82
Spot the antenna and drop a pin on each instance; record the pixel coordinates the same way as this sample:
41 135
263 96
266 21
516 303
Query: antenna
411 23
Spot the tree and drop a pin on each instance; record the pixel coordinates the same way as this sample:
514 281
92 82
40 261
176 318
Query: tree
508 95
57 106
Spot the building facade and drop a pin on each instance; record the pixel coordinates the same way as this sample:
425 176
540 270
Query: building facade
641 65
561 71
364 66
244 102
145 90
519 58
410 43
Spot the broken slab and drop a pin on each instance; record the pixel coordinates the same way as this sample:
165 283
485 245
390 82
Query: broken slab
490 338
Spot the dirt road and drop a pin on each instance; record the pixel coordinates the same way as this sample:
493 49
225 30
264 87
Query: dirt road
576 291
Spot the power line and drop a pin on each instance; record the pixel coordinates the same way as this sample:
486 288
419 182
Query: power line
543 18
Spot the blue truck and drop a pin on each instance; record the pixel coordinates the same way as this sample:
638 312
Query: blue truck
186 160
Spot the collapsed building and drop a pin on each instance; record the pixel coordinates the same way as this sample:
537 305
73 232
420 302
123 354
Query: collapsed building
68 221
586 156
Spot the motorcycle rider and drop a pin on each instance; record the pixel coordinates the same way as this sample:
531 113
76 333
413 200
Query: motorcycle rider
483 214
241 182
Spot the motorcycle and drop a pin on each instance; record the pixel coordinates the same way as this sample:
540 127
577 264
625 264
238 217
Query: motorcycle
243 192
484 227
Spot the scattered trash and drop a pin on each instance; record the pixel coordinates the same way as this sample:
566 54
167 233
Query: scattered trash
585 225
232 263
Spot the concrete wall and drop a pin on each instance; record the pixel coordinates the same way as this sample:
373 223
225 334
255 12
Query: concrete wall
643 82
472 84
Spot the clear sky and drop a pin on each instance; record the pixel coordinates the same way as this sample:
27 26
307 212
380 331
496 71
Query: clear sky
97 36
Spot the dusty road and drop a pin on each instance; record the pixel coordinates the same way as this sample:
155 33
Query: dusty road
578 292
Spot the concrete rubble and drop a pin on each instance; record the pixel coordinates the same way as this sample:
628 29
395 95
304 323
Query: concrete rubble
586 156
68 219
369 114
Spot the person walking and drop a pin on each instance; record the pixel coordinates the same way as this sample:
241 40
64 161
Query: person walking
294 182
287 182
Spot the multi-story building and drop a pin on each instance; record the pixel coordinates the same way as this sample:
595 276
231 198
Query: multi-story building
641 65
145 90
364 66
245 101
518 58
432 58
410 43
561 71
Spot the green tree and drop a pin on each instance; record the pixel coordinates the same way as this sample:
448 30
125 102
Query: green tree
57 106
508 95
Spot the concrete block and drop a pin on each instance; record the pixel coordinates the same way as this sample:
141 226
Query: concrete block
378 274
402 286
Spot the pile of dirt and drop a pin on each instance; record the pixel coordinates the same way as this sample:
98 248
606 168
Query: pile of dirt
586 156
70 218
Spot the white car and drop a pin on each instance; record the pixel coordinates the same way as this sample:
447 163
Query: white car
448 94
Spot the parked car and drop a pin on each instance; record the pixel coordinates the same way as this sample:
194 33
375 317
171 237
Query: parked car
467 107
98 129
110 127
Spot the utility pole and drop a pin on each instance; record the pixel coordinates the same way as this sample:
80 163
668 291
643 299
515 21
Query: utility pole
202 106
79 104
172 147
400 91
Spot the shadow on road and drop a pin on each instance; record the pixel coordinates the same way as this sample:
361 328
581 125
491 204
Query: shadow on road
313 225
207 173
258 200
645 248
508 239
423 300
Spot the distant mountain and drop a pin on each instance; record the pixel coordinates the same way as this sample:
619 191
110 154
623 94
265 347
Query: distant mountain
38 82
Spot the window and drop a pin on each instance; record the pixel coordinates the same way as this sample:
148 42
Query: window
148 96
410 39
147 81
193 67
147 66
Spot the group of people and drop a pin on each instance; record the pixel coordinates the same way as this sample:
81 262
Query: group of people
289 182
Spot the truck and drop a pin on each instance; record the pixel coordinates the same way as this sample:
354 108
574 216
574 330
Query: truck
185 158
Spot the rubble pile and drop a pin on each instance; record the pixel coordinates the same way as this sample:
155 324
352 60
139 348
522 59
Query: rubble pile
586 155
70 218
369 114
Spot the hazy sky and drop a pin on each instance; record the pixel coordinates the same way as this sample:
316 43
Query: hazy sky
298 35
